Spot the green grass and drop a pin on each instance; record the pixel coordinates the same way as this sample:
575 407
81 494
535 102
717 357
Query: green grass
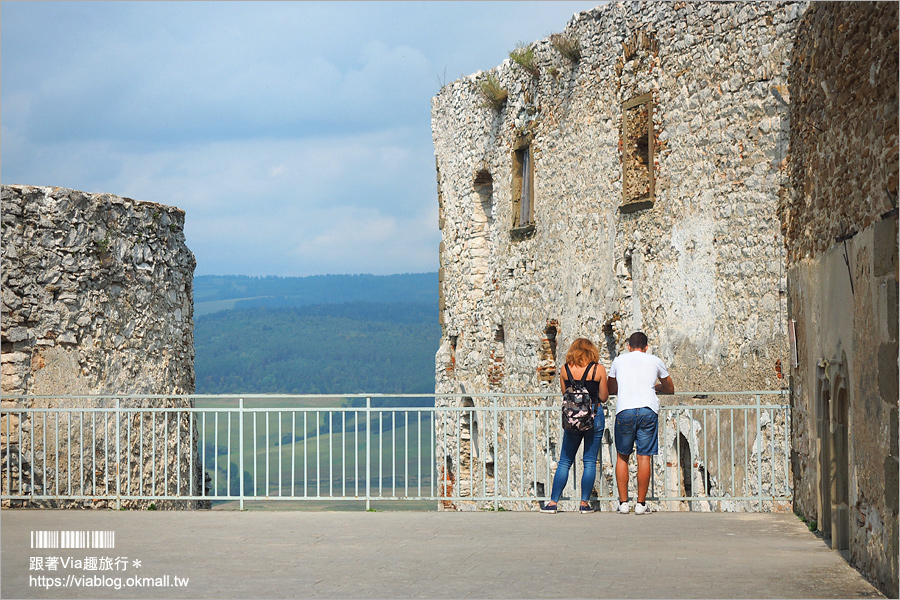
494 94
523 56
568 45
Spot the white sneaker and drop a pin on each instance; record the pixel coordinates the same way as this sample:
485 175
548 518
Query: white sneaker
623 508
641 509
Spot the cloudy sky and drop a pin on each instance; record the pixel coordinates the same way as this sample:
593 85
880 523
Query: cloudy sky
295 135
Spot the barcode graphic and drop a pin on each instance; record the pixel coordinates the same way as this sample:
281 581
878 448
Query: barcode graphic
73 539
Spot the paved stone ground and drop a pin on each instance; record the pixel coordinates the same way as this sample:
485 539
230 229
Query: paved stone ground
436 555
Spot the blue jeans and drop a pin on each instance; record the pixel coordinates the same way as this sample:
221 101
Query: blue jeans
570 443
639 425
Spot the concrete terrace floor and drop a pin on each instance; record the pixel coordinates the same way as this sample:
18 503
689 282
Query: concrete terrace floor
433 555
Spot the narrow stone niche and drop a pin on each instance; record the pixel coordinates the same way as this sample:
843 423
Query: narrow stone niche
498 352
638 180
547 353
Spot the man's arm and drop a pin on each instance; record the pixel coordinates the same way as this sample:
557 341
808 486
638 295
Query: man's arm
612 386
665 386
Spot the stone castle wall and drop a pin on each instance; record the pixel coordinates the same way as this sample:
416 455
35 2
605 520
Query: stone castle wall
840 223
96 299
657 159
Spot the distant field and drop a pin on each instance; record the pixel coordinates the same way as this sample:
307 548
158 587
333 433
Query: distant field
317 335
213 293
212 306
319 453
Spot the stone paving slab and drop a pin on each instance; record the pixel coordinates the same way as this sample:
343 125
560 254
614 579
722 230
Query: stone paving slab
431 555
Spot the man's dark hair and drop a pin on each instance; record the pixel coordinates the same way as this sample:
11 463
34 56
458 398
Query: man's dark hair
637 340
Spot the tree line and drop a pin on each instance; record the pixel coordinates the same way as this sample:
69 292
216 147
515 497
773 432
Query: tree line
353 347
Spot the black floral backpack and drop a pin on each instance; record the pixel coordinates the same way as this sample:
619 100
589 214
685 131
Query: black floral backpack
577 406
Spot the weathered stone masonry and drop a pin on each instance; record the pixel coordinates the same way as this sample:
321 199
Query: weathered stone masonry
96 299
840 223
658 159
665 199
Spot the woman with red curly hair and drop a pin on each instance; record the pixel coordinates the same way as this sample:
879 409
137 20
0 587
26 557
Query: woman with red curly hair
582 360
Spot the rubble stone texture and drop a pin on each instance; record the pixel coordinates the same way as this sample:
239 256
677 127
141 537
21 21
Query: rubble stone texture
840 224
96 299
696 259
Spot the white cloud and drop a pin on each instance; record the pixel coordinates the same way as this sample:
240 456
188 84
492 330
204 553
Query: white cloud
296 135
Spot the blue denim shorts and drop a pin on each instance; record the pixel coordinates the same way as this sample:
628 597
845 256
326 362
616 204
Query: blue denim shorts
637 425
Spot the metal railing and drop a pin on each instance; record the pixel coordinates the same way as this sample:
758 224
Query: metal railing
720 452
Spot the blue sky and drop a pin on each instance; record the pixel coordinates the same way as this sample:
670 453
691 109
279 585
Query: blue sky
295 135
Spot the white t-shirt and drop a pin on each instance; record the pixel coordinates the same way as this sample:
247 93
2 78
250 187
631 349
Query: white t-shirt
636 373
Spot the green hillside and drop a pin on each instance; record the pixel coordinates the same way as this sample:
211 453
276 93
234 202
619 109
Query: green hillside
213 293
352 347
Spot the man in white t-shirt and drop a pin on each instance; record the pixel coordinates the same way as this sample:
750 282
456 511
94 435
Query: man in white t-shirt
633 379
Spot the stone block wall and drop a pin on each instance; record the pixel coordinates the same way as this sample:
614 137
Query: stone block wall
96 299
690 251
840 224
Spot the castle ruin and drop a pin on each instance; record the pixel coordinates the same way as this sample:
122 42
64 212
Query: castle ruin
96 300
684 169
631 185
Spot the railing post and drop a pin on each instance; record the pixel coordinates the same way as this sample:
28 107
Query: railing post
118 458
368 449
496 455
758 454
241 449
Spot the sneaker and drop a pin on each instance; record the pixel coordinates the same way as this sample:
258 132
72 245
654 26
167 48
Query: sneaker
641 509
550 509
586 509
623 508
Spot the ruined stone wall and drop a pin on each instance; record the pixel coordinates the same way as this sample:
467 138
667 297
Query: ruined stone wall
96 299
687 248
840 223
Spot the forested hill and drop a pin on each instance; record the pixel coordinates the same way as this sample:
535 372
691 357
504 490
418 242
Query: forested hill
213 293
313 340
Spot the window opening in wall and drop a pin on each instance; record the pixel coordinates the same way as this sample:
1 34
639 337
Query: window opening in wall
523 190
469 429
484 187
609 336
684 460
525 202
638 179
484 182
479 241
547 352
498 352
452 365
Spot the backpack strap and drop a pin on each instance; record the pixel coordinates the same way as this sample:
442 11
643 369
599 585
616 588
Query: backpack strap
585 374
568 374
